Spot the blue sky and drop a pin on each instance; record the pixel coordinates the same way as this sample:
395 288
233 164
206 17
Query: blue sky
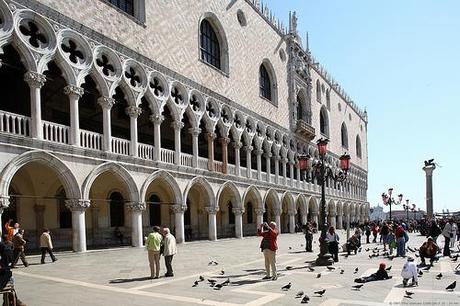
400 60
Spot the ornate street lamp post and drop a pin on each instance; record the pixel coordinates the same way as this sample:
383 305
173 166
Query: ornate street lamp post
322 173
406 208
388 200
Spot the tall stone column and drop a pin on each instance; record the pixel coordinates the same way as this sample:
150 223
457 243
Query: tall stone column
332 220
284 160
74 93
195 133
298 173
259 153
179 211
291 221
156 120
177 126
136 208
4 203
304 219
268 157
36 82
259 216
211 137
339 221
78 208
133 112
224 141
107 103
248 161
277 213
212 212
429 188
314 216
238 221
237 146
277 169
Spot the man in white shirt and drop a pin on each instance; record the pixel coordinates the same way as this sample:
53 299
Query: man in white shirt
409 271
447 233
170 249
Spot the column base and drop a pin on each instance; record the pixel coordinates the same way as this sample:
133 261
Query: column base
324 260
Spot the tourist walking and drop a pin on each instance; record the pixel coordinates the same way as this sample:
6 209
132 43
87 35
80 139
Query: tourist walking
308 237
46 245
333 243
391 240
367 231
375 231
11 230
447 233
268 246
153 245
384 231
454 234
19 247
169 250
400 241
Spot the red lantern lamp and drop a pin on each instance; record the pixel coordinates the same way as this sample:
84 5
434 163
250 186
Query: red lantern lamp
345 162
322 146
304 162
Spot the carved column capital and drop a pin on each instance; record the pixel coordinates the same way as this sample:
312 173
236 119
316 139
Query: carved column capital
268 155
238 145
259 152
178 209
156 119
211 136
35 79
72 90
106 102
136 206
259 211
195 131
238 211
133 111
224 141
292 212
4 202
211 210
177 125
77 204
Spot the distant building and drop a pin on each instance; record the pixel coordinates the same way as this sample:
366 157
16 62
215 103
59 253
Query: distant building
402 215
377 213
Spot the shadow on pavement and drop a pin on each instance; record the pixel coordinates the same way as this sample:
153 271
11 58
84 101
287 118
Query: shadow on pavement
128 280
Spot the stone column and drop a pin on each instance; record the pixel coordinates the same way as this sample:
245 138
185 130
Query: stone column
248 161
429 188
314 217
298 173
195 133
259 163
133 112
177 126
212 211
291 221
36 82
156 120
4 203
277 213
284 161
179 211
332 220
74 93
211 137
107 103
304 219
39 210
224 141
78 208
94 222
238 221
268 157
339 222
137 237
277 168
259 216
237 146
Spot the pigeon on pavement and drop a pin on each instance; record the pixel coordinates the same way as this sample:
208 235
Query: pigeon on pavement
356 270
286 287
305 300
439 276
330 268
451 287
289 267
342 271
218 286
299 294
195 284
319 275
409 293
201 278
388 269
320 293
357 287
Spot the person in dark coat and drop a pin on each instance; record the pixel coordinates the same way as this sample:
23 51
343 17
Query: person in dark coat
308 237
381 274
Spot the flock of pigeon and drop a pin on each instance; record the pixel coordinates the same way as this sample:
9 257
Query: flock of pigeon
305 298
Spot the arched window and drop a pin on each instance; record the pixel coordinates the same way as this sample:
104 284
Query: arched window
359 152
65 215
209 44
318 91
324 122
265 83
344 133
231 215
155 210
117 209
249 213
328 99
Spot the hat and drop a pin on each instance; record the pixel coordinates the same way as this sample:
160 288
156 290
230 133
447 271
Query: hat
430 238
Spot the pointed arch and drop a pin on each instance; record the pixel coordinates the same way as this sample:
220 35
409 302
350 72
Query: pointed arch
344 135
301 202
267 82
231 186
168 179
324 121
253 190
202 182
359 152
63 172
213 42
290 200
118 170
272 194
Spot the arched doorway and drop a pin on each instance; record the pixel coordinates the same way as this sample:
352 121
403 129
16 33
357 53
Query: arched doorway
154 210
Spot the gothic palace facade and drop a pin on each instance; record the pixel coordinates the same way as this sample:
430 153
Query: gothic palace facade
187 114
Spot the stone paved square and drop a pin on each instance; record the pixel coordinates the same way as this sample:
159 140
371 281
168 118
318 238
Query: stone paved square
119 277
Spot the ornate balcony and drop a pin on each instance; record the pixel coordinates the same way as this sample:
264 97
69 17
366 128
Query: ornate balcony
305 130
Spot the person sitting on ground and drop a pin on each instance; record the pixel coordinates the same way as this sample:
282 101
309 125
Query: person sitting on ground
429 249
409 271
352 244
381 274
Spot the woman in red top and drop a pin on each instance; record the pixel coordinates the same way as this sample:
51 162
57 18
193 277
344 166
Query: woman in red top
269 246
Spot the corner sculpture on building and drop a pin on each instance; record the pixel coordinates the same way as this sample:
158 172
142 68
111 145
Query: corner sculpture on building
144 113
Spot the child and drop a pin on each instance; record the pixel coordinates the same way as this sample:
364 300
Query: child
381 274
409 271
391 240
